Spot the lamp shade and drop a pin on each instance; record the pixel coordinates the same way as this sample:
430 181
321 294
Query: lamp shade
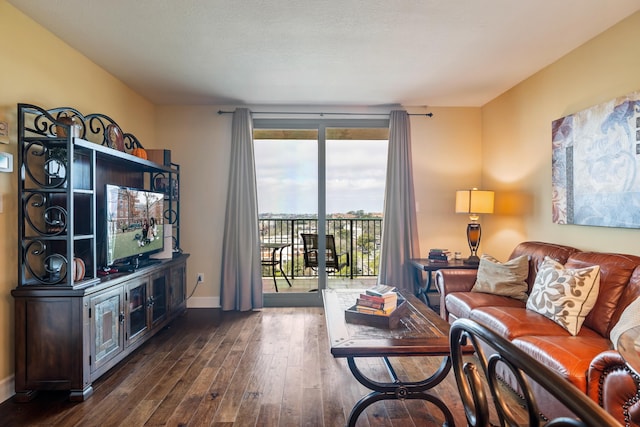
474 201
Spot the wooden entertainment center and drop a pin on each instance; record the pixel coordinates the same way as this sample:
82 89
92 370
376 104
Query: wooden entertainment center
75 317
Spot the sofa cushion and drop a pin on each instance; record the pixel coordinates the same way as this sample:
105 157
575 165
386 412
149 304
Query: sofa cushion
514 322
568 356
507 279
564 295
460 304
630 318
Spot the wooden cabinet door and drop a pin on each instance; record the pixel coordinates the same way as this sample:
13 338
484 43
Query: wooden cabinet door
177 288
107 318
158 301
136 313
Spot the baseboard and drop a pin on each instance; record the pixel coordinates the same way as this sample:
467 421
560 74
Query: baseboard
7 388
212 313
203 302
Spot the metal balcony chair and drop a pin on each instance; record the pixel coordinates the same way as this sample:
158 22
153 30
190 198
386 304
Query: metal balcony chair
334 261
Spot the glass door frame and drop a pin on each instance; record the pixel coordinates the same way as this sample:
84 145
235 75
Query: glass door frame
306 299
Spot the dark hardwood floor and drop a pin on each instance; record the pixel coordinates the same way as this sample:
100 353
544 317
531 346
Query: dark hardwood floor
266 368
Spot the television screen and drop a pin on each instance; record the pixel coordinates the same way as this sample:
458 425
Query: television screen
134 220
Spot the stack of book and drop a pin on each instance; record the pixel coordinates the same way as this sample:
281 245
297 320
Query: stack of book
380 300
439 256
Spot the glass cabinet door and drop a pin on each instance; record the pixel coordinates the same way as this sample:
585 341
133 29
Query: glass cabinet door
158 301
107 317
137 301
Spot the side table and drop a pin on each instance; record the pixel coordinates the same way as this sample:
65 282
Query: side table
273 262
426 265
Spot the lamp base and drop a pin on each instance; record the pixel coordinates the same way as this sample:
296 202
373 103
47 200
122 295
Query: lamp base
472 260
473 237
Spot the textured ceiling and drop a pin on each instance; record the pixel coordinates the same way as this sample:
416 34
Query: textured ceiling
325 52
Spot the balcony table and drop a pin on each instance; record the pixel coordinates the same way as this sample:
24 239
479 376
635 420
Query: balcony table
273 262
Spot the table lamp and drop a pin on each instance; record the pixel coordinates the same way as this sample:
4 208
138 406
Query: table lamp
474 202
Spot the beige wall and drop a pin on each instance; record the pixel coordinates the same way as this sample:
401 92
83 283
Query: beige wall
199 140
516 142
446 152
38 68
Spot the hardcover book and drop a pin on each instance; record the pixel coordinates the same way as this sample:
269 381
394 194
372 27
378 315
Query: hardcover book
389 321
381 290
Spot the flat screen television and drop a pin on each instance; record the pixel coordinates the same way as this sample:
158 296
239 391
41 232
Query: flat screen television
134 220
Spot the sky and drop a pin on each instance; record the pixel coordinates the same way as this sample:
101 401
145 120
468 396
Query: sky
287 174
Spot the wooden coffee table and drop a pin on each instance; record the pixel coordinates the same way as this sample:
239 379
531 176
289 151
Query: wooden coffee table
421 333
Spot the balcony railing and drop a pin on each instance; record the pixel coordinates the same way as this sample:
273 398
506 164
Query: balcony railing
359 237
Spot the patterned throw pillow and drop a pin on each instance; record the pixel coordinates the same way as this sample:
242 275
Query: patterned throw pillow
629 318
565 295
506 279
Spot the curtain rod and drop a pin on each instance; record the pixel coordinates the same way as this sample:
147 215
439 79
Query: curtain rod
324 114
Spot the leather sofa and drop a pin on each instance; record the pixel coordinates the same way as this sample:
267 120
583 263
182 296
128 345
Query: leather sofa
587 360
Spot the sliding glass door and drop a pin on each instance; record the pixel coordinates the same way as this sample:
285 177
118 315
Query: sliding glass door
355 165
287 183
318 181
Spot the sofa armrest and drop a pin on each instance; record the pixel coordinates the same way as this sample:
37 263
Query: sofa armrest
613 386
453 280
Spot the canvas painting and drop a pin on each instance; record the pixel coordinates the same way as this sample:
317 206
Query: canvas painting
596 165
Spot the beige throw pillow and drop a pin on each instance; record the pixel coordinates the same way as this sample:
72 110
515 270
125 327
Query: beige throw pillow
506 279
629 318
564 295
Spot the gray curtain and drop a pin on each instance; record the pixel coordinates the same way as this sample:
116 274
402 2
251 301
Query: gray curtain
399 227
241 281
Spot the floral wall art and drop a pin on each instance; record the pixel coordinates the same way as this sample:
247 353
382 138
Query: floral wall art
596 165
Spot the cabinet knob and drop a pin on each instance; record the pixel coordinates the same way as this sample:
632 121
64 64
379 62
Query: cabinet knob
121 317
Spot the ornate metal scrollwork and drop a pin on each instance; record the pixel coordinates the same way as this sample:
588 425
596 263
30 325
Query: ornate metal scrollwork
56 171
97 129
131 142
171 215
53 218
43 125
524 368
48 269
46 123
69 116
97 125
49 173
91 127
